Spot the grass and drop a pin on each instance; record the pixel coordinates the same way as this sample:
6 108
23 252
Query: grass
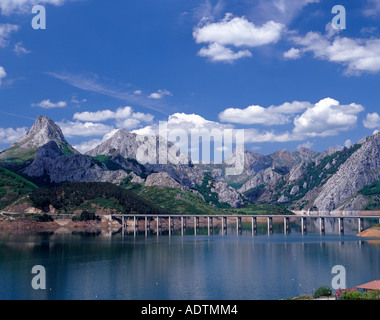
98 204
260 209
66 150
106 160
174 200
13 187
17 154
178 201
372 194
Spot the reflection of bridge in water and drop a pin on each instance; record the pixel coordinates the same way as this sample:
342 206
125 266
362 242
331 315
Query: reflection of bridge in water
168 222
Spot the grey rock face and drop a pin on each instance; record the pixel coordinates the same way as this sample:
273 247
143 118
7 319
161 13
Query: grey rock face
51 163
227 194
161 179
354 205
283 199
361 169
122 143
295 190
290 159
297 172
328 152
253 162
262 178
136 178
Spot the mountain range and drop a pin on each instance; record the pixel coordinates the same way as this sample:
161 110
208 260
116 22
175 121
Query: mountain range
301 180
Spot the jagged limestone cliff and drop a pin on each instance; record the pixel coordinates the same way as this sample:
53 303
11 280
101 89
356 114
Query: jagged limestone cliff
43 131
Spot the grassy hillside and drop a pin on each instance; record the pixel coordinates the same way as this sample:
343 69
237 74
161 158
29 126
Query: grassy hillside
13 187
68 197
16 154
177 201
174 200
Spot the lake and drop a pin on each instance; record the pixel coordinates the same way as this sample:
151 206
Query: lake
230 267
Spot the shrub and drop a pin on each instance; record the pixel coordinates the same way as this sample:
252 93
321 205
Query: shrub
324 291
87 216
354 294
44 218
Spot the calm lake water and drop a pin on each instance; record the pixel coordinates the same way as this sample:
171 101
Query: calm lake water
88 266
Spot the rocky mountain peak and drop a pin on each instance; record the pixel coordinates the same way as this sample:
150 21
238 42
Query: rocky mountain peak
43 131
122 143
253 162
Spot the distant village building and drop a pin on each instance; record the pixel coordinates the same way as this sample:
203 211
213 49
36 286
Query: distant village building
370 286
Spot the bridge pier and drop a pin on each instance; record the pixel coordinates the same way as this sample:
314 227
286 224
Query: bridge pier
147 226
238 225
159 226
183 225
123 225
304 225
210 225
286 225
135 225
322 227
360 225
254 226
171 226
341 225
196 225
224 226
270 225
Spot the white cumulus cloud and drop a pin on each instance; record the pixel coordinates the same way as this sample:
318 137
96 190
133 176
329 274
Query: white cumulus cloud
292 54
327 118
47 104
3 74
10 135
358 55
273 115
8 7
236 32
84 129
20 50
5 32
305 120
160 94
218 53
372 121
125 117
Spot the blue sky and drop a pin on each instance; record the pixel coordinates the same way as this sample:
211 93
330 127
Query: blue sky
276 68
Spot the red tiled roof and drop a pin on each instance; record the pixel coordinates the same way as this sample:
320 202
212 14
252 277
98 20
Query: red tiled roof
374 285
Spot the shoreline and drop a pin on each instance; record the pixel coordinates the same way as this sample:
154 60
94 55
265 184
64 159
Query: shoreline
372 233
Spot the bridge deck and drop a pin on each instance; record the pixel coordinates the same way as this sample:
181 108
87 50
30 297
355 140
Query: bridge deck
125 218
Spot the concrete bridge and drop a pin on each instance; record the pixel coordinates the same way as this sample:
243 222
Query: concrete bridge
181 221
